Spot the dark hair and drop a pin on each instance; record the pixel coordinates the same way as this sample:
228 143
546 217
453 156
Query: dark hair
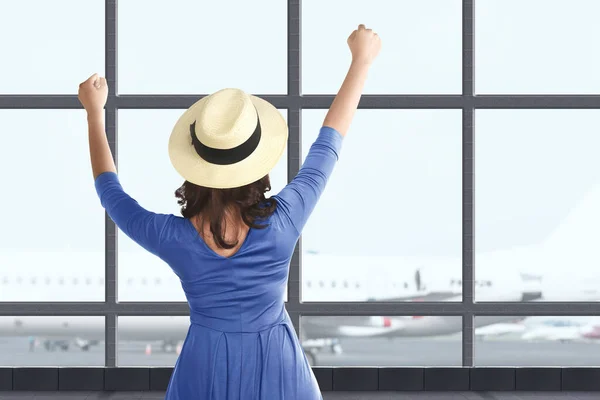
213 205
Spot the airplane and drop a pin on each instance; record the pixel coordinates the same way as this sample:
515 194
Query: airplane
500 329
324 278
566 263
561 329
593 333
441 281
554 328
568 259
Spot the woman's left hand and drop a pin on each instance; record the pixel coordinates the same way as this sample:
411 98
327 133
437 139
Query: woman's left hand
93 93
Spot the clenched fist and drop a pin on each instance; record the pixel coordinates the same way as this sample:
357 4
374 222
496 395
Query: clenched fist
364 45
93 93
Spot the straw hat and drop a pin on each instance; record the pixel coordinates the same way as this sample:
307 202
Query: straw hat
228 139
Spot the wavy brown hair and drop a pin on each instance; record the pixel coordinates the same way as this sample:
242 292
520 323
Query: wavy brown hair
214 205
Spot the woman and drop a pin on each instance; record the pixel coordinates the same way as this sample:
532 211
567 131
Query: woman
232 247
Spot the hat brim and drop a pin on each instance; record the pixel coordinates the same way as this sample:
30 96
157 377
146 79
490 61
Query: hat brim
185 160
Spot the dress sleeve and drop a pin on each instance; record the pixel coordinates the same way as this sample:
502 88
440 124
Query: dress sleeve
299 198
142 226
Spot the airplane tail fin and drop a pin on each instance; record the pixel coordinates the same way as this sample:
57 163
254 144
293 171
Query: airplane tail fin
577 237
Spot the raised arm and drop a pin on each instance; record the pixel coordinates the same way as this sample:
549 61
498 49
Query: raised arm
299 198
92 95
143 226
364 45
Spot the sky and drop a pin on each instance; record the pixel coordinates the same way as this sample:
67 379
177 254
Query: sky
397 187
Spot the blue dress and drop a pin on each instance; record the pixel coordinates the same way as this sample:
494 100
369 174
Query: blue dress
241 344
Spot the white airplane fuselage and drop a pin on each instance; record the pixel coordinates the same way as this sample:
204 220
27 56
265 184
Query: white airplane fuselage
325 278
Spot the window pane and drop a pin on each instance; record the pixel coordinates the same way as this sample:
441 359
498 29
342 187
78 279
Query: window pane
519 48
150 341
51 341
143 276
537 341
421 45
399 173
382 341
52 241
328 341
53 45
537 186
189 47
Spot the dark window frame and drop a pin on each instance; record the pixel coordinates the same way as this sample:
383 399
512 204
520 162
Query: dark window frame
295 102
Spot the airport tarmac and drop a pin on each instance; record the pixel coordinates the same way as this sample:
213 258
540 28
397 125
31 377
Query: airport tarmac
356 352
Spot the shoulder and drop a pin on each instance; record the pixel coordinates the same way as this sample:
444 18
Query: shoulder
281 221
173 231
172 222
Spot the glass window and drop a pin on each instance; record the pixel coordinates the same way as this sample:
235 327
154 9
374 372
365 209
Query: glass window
328 341
537 46
389 225
52 45
52 220
150 341
190 47
51 341
392 205
537 341
340 341
147 175
421 45
537 186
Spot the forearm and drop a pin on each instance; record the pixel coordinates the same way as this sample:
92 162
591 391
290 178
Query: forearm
100 154
344 105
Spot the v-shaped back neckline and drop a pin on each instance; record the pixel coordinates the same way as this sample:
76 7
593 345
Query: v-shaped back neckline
210 250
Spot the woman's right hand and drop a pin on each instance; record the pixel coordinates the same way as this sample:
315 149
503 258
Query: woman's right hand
364 45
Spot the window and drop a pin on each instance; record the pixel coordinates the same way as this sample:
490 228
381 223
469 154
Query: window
46 56
381 341
543 341
51 341
490 193
421 43
142 344
52 220
536 201
520 50
237 51
407 165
